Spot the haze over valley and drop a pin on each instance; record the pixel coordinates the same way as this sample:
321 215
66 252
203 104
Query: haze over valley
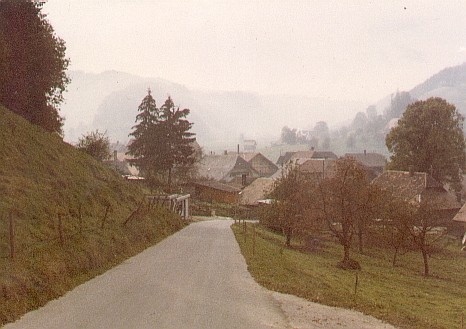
108 102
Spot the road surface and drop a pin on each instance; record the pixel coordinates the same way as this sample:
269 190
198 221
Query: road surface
196 278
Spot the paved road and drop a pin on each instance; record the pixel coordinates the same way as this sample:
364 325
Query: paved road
196 278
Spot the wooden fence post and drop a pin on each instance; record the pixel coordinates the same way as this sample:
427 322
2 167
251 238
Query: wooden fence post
245 230
105 217
12 235
60 229
80 215
253 240
356 283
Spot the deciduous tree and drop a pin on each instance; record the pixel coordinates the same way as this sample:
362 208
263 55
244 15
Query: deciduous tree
344 202
96 144
32 64
287 211
429 138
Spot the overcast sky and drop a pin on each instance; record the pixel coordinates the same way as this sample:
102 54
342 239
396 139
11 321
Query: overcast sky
354 50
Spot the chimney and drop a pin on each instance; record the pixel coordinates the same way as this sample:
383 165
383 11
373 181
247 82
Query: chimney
115 156
365 152
238 149
225 152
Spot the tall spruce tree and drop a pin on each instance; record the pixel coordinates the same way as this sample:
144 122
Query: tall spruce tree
141 146
162 139
32 64
176 138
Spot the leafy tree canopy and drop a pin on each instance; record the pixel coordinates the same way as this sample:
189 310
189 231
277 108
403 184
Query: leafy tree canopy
32 64
429 138
96 144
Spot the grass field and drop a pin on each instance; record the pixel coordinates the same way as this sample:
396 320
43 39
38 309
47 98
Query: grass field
68 212
398 295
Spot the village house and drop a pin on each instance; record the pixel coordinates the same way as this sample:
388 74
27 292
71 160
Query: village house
318 169
226 168
417 187
212 191
374 163
257 191
260 164
299 157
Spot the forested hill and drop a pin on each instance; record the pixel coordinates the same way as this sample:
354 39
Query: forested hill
450 84
368 129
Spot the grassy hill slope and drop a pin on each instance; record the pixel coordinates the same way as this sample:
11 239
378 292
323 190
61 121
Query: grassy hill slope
68 213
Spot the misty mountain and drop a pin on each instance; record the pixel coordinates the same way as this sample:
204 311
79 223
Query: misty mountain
108 101
368 131
449 84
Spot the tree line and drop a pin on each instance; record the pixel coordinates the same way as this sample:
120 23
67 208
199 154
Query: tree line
429 139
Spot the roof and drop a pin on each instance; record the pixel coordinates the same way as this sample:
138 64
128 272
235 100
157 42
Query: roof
250 156
416 186
220 167
216 166
319 166
300 157
256 191
461 215
283 159
324 155
405 184
368 159
218 186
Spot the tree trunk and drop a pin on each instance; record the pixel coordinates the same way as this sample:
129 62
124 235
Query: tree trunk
288 236
425 257
346 257
360 236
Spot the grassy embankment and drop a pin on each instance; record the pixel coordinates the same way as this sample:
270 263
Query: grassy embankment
68 212
398 295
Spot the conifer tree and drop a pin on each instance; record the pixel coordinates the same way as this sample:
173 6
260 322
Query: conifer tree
140 147
162 141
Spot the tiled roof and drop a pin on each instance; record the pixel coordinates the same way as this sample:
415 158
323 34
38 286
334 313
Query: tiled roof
368 159
402 183
318 166
324 155
256 191
218 186
461 215
220 167
413 187
216 166
248 156
283 159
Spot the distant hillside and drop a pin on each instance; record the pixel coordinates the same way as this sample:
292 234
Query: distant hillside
369 128
68 212
449 84
109 101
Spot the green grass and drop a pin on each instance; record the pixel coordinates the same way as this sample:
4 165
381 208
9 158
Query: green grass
42 178
398 295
